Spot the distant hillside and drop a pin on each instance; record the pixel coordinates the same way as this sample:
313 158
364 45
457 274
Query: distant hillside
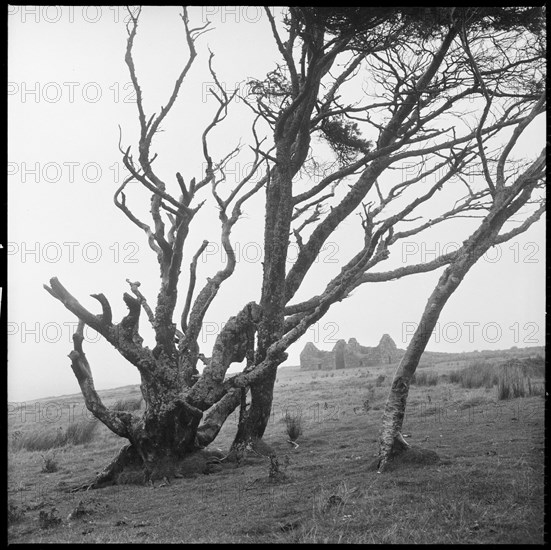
354 355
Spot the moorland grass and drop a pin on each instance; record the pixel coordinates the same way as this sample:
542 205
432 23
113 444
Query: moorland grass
39 439
127 404
487 488
425 379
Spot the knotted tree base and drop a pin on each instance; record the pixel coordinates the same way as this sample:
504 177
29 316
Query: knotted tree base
403 456
128 468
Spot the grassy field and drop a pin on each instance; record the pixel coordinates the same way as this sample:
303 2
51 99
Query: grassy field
487 488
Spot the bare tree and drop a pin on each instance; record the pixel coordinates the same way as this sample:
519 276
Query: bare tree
420 82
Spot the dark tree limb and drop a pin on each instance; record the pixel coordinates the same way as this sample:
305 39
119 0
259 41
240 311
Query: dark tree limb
134 286
232 345
107 315
191 287
97 322
216 416
118 422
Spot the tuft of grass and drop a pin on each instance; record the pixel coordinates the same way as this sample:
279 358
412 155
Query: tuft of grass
477 375
329 499
380 379
293 425
39 440
15 513
50 519
514 381
425 379
76 433
511 376
454 377
49 464
532 366
275 473
132 404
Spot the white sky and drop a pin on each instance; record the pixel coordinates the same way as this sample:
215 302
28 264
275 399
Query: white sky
68 92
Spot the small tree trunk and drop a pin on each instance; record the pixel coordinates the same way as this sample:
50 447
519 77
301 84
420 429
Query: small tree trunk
254 420
391 441
279 209
473 249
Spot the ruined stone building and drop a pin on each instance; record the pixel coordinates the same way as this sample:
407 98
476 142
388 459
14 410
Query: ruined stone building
350 355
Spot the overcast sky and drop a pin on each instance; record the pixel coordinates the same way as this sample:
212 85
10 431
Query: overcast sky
69 89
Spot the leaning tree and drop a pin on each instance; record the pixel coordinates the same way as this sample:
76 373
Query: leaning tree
506 185
357 93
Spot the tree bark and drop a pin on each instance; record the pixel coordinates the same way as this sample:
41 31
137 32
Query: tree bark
254 420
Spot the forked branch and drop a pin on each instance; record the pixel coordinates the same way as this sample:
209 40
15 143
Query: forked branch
117 421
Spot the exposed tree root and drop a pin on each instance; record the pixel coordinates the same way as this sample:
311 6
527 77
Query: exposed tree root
128 468
403 454
253 448
126 457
